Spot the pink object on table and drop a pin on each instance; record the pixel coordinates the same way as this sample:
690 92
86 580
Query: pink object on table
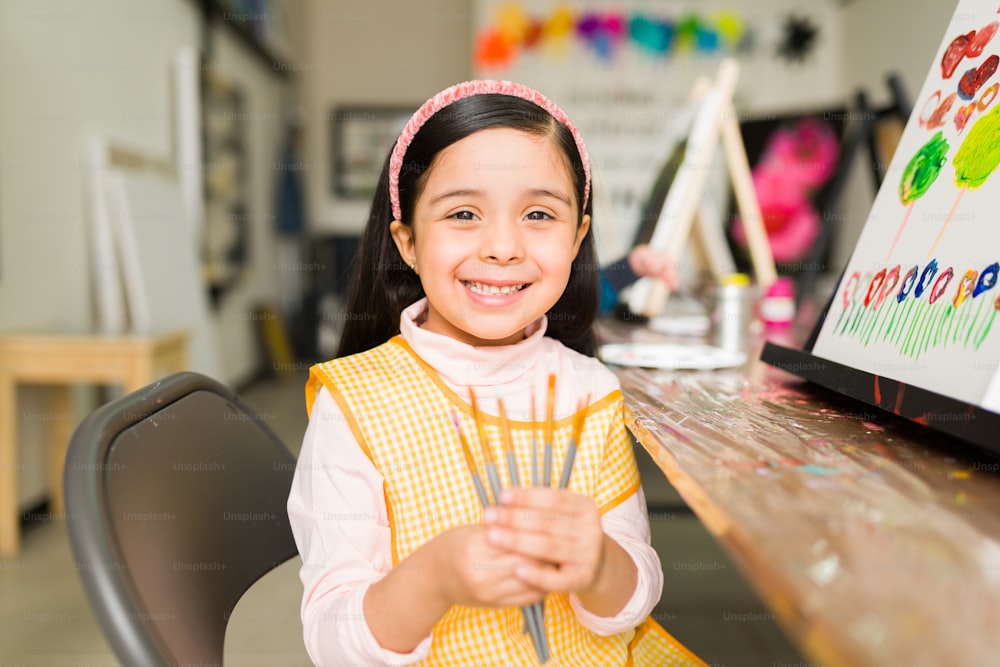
777 308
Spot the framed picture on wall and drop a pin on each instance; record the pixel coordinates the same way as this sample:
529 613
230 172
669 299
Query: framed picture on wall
360 138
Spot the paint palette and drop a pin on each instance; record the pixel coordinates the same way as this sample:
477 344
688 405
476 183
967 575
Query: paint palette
668 355
682 325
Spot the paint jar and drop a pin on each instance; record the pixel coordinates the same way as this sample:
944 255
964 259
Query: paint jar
735 301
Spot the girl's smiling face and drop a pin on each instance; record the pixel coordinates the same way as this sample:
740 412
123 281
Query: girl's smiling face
494 235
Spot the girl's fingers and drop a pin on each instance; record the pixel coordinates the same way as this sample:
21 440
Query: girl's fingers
499 585
557 533
572 522
544 498
513 587
520 598
529 507
554 524
535 544
550 578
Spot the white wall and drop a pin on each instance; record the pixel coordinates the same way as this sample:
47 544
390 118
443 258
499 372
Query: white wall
372 52
70 70
885 36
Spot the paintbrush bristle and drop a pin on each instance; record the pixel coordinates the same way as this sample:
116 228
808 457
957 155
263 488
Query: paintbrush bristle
550 408
504 427
480 427
469 460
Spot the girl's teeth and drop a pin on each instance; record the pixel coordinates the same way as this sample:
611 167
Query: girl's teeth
493 290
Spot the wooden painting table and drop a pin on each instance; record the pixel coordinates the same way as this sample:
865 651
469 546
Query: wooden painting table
63 360
873 541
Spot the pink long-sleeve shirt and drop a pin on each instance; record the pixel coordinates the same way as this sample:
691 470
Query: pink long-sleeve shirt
338 513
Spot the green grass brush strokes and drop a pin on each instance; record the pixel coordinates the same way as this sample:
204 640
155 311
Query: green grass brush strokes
916 326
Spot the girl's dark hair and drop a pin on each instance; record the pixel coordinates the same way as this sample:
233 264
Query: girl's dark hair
382 284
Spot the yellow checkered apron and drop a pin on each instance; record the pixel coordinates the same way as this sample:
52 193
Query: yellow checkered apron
401 415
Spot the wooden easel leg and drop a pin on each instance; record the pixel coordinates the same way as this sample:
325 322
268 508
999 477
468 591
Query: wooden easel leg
746 201
711 239
673 228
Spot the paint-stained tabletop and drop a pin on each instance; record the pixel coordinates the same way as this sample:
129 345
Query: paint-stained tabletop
873 540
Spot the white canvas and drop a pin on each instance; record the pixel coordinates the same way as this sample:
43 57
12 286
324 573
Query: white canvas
159 263
105 281
918 300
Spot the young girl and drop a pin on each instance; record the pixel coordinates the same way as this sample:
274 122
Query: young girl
477 272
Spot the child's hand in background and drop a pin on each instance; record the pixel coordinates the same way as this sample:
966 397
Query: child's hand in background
646 261
557 532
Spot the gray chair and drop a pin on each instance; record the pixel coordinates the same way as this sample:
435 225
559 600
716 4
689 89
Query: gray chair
175 498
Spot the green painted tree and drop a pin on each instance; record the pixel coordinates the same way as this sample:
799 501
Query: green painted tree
918 176
975 161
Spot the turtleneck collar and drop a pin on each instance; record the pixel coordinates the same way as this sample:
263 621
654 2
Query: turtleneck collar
479 366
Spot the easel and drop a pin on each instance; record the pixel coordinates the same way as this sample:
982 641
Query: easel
684 204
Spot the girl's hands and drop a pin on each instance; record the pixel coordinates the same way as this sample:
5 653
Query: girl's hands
540 540
556 533
476 573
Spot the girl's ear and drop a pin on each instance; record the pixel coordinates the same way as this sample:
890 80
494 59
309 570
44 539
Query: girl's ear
581 233
402 235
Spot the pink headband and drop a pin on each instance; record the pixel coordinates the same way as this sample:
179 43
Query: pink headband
467 89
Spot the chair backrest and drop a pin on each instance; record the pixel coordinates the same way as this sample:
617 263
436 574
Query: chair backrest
175 498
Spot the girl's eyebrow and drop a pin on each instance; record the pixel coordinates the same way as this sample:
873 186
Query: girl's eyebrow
555 194
465 192
468 192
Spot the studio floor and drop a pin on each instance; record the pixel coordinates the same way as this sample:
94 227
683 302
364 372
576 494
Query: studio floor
706 603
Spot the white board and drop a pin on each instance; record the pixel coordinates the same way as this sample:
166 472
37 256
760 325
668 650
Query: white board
159 263
918 300
105 281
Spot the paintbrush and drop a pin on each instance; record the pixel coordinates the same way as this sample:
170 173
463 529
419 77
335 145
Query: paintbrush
574 441
533 619
477 481
539 607
508 446
549 413
491 468
534 442
532 613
